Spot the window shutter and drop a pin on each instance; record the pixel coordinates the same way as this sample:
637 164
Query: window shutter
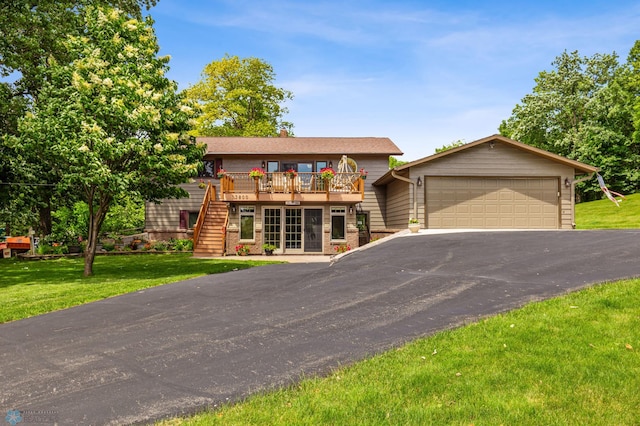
184 219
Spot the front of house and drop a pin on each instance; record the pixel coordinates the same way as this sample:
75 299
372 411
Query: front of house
291 206
491 183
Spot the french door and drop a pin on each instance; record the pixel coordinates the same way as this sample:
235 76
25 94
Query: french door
293 230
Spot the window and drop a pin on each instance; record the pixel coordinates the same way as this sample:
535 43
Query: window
320 165
338 223
188 219
272 166
210 168
247 222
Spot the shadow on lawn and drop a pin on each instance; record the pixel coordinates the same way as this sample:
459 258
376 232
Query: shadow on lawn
113 268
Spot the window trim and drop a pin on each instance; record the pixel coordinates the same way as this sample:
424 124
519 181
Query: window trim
338 211
251 212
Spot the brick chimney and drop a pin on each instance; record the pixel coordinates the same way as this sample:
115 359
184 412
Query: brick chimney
284 133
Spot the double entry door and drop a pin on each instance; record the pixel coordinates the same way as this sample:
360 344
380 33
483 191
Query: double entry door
293 230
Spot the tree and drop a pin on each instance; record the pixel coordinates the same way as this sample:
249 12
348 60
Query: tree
452 145
238 98
394 162
582 110
109 121
31 32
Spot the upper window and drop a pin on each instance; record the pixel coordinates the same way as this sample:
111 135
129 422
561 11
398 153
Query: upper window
209 169
272 166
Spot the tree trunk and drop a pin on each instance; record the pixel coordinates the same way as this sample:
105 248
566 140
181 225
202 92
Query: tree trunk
96 218
44 224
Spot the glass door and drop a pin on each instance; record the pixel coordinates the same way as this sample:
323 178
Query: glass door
313 230
273 227
293 229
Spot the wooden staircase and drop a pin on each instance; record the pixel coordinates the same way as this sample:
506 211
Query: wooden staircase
210 233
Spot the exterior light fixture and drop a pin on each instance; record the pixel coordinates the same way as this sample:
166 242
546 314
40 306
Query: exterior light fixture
567 183
492 144
419 182
263 165
350 209
233 208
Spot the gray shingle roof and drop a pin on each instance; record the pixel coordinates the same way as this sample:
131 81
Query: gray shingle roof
300 145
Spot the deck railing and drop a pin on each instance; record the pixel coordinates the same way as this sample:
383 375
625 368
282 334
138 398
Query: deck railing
209 195
281 183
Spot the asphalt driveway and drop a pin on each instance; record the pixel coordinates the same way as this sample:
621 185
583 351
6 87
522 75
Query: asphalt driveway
201 342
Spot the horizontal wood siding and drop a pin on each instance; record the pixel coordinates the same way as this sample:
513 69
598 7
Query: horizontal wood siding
398 204
166 215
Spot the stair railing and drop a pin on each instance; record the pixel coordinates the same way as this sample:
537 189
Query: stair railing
209 195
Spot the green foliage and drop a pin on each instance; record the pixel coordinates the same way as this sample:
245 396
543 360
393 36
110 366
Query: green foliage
572 360
32 34
583 110
452 145
394 162
110 122
603 214
238 98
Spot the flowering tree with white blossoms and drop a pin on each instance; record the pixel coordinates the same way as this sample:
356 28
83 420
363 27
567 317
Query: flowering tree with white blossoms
110 122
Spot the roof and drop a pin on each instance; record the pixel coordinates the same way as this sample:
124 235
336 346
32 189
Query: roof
576 165
300 145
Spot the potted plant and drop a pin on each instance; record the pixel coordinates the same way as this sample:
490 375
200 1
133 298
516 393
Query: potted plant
414 225
242 250
291 173
221 173
201 184
256 173
268 249
363 174
327 173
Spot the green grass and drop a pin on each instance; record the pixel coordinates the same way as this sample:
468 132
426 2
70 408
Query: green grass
29 288
603 214
573 360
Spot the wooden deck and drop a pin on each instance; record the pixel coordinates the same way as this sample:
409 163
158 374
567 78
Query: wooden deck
304 187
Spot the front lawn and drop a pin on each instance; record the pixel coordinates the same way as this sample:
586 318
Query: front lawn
29 288
603 214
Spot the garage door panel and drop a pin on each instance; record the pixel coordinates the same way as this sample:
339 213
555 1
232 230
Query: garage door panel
464 202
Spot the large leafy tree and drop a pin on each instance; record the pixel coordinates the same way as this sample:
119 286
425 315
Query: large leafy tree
238 98
109 122
32 32
582 109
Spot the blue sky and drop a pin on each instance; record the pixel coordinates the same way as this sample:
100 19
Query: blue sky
423 73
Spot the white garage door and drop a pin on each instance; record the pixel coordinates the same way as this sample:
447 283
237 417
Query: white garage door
492 203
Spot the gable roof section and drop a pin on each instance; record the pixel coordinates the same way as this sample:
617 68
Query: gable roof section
299 145
578 166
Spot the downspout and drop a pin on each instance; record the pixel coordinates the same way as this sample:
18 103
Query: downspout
415 194
573 195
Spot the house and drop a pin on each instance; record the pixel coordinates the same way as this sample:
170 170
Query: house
291 206
494 182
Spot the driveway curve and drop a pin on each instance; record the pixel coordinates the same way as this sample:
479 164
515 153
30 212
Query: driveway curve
177 348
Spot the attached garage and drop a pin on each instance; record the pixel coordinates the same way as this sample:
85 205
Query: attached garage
492 203
492 183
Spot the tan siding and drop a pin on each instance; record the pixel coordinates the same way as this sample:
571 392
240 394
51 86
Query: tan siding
501 160
398 204
166 215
